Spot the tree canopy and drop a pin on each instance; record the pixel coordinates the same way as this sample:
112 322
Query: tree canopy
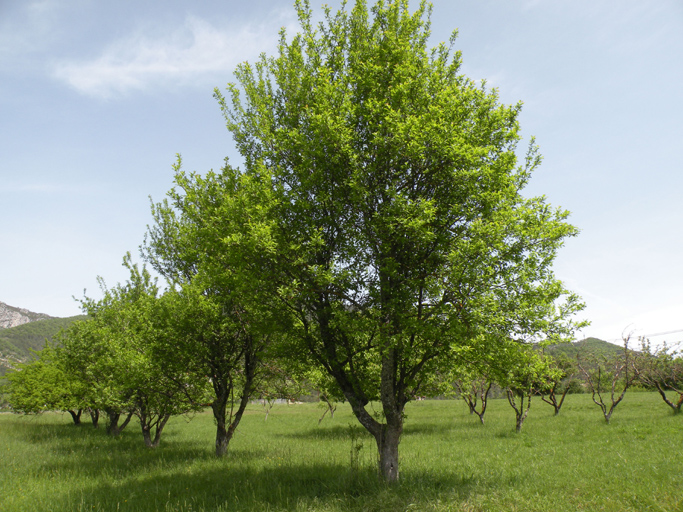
380 210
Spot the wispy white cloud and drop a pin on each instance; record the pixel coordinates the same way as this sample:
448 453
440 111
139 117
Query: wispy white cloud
197 53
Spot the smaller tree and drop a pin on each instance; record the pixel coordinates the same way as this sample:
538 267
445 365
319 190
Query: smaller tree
43 385
87 355
529 374
662 368
329 394
276 383
609 374
474 390
561 383
213 341
121 351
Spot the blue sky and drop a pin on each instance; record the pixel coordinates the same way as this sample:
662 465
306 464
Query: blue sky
96 98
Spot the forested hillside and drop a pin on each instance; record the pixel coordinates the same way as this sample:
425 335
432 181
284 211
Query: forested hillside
17 342
592 347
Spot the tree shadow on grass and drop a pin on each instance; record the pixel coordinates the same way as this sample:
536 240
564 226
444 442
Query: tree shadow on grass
344 431
327 432
127 455
235 487
86 450
423 428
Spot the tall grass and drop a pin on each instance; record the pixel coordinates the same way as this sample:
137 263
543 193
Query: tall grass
449 462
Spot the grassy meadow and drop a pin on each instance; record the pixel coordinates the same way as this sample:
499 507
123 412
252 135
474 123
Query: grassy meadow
449 462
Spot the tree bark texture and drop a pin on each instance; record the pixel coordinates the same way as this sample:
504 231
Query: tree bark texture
113 427
552 398
147 432
76 416
387 445
226 424
95 417
521 411
387 435
219 407
675 406
154 419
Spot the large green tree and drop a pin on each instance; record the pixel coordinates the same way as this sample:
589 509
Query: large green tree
381 207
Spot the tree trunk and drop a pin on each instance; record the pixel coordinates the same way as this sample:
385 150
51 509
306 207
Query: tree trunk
552 398
147 437
518 423
267 406
159 428
113 427
392 406
76 416
95 417
484 401
151 419
676 407
226 425
330 409
112 422
392 395
147 432
223 388
521 411
219 407
387 445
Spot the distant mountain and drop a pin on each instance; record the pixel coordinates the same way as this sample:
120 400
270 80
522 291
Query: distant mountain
22 330
11 316
593 347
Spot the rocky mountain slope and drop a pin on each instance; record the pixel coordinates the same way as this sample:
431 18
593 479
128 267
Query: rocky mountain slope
12 317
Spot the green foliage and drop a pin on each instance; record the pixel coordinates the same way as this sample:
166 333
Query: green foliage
661 369
389 220
525 373
225 329
122 353
44 385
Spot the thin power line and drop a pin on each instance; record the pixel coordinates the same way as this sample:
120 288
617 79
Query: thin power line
661 333
649 335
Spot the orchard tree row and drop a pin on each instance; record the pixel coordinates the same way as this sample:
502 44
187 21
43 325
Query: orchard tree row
150 355
552 375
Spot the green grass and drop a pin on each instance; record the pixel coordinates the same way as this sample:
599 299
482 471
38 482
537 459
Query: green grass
448 462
